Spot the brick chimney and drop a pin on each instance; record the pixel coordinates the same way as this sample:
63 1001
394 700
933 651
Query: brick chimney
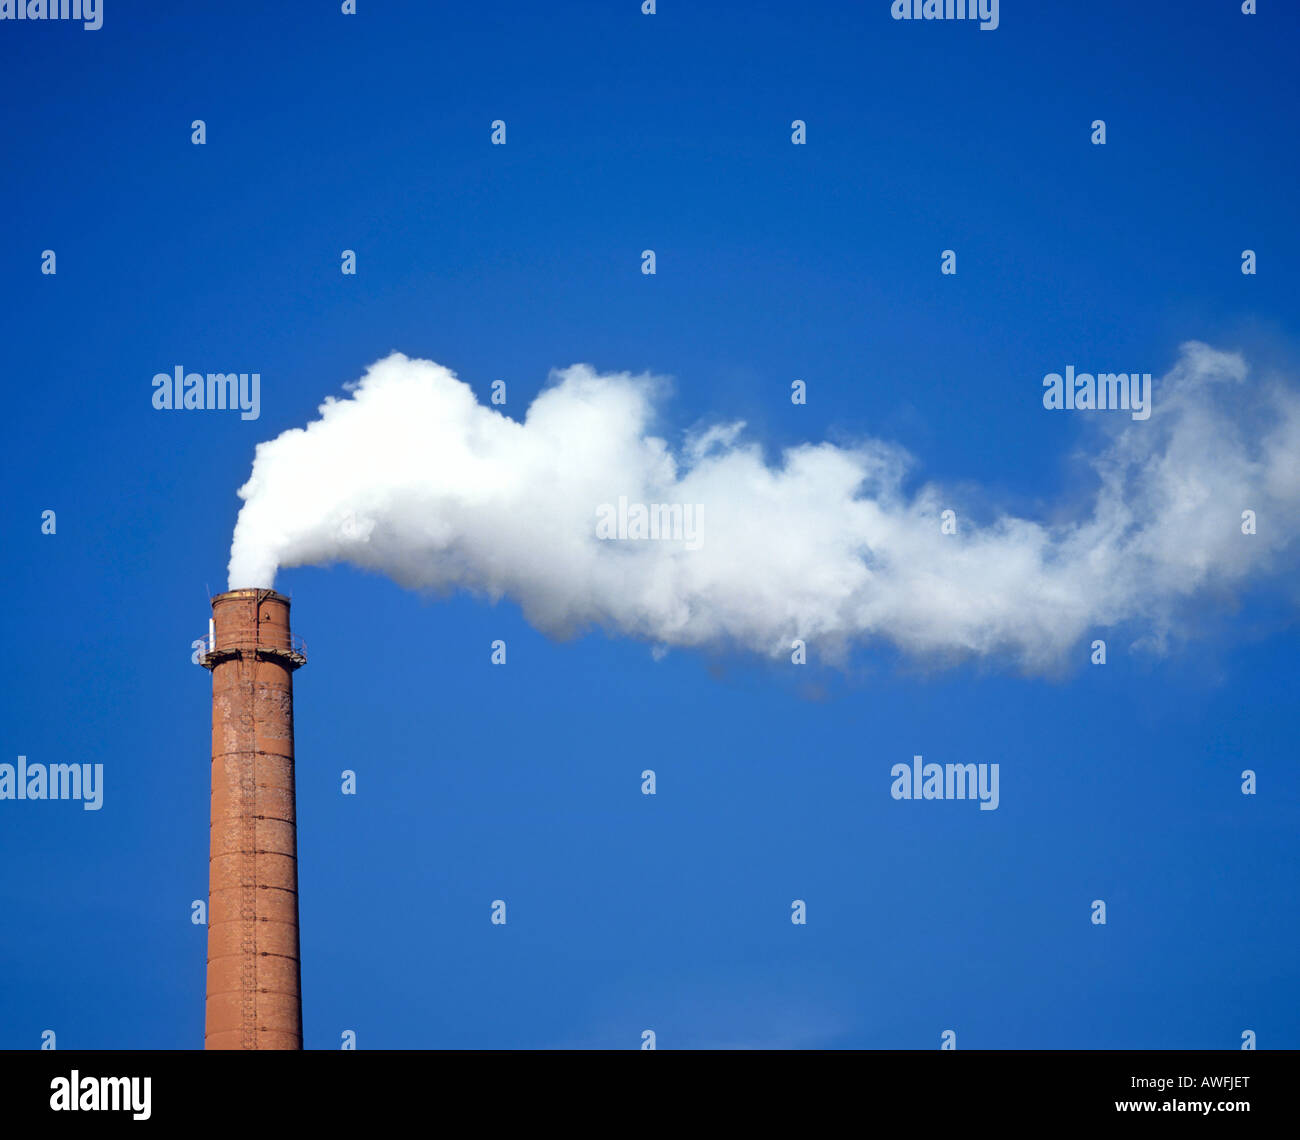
254 987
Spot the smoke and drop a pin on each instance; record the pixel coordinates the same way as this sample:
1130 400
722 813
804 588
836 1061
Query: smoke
412 477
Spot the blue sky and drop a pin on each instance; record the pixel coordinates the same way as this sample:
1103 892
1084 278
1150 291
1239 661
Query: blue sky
371 132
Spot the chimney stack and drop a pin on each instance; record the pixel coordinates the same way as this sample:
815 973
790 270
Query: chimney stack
254 988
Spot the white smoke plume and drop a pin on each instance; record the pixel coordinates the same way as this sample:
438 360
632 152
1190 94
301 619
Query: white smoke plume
411 476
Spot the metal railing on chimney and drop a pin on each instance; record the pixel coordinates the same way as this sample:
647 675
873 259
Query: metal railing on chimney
271 643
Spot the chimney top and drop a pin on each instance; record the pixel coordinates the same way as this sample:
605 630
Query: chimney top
261 593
